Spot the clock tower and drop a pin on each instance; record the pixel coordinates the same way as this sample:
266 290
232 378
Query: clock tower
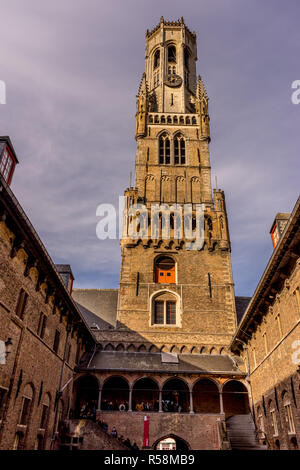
172 297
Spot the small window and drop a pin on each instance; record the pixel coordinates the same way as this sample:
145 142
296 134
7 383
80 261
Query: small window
21 304
26 405
56 341
164 310
165 270
3 396
164 149
68 355
172 54
156 59
179 150
44 416
6 165
42 325
186 59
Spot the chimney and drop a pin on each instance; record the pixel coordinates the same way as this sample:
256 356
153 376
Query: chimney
278 227
66 274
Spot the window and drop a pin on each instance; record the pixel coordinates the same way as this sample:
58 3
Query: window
179 150
156 80
26 405
165 309
21 304
156 60
273 420
186 58
164 149
3 394
288 414
260 420
42 325
172 54
165 270
56 341
78 352
6 164
69 350
45 409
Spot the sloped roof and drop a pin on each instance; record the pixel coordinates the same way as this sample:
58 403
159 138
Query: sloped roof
152 362
241 303
97 306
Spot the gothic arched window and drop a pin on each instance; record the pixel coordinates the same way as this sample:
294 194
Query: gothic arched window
156 60
165 309
164 149
179 150
172 54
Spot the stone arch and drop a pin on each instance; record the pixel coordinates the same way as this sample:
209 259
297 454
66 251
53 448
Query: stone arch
206 397
145 394
222 351
174 349
131 348
109 347
235 398
184 350
213 351
194 350
120 347
153 349
175 395
181 444
203 350
86 389
142 348
115 393
164 348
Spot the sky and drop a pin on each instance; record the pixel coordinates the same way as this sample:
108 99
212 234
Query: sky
72 70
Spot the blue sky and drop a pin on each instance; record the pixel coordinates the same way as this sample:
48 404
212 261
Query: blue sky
72 70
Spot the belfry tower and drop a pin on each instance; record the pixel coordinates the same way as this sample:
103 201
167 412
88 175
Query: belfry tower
177 299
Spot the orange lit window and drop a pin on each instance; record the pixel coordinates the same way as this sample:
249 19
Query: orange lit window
165 270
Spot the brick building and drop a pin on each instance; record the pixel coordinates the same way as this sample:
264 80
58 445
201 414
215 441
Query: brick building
163 336
44 332
268 338
165 349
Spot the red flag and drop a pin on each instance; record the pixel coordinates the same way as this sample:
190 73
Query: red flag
146 431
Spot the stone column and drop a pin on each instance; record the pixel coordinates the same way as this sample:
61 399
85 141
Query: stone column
99 399
191 402
221 402
160 402
130 399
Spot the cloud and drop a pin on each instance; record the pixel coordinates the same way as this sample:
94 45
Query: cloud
72 70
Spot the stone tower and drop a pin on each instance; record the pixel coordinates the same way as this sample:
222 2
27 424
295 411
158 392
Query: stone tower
177 299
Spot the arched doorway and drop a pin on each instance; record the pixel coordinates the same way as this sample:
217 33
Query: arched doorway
206 398
145 395
171 442
235 398
175 396
115 394
87 391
